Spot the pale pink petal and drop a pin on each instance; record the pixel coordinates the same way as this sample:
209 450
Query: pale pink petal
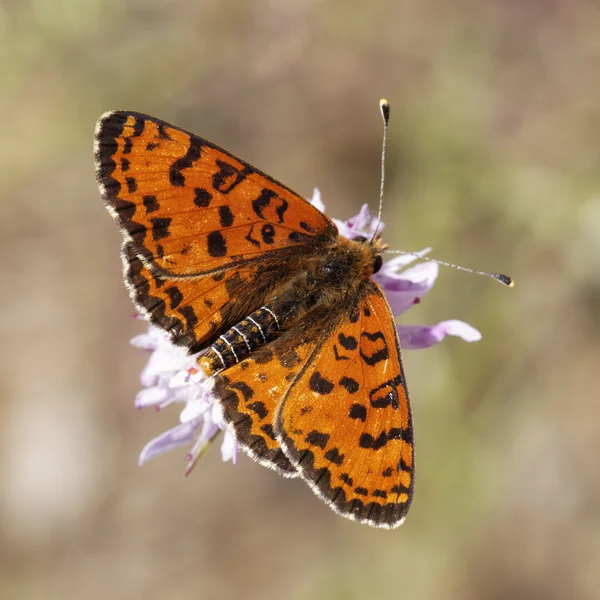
229 448
316 200
193 409
401 260
417 337
180 435
405 289
151 396
361 225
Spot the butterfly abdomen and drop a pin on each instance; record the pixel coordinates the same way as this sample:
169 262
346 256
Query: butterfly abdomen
239 341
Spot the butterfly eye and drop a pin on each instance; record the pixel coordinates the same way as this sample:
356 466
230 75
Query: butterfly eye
377 263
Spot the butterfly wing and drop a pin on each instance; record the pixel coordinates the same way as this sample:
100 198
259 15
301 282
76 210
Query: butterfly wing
190 207
250 392
336 405
193 310
207 236
346 422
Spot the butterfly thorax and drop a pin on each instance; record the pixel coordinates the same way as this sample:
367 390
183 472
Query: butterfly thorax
334 277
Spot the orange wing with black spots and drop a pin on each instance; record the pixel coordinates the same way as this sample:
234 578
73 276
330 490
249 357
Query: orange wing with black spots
193 310
250 393
190 207
346 423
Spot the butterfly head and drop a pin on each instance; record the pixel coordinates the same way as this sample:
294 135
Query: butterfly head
376 247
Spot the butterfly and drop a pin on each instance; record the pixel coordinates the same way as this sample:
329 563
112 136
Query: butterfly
298 339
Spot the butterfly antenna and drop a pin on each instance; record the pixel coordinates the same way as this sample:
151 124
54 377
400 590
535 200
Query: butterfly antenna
384 107
503 279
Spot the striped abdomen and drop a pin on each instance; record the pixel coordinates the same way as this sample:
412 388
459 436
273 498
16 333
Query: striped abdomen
239 341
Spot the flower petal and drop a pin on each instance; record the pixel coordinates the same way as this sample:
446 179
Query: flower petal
194 408
150 396
416 337
405 289
229 448
361 225
401 260
179 435
316 200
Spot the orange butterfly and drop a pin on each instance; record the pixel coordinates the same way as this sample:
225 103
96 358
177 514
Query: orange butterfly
299 340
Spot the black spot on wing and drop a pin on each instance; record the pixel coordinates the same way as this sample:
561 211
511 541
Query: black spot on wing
334 456
216 244
162 133
131 184
380 352
228 177
225 216
175 296
259 408
138 127
150 204
368 441
160 228
347 479
358 411
339 356
350 384
384 396
244 388
319 384
267 233
267 428
202 197
191 320
176 177
348 342
317 438
263 200
252 240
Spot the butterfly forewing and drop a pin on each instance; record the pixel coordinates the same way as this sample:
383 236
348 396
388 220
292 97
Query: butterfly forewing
190 207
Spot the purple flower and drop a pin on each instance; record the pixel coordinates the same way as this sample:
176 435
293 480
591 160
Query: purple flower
171 375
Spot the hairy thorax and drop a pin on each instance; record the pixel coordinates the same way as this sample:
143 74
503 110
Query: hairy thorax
337 277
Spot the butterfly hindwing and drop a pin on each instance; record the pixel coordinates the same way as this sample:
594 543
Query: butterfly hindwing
189 206
250 393
193 310
346 421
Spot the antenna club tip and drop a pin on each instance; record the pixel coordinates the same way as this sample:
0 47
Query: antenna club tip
505 279
384 107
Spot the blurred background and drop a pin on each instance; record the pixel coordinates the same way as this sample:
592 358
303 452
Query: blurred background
493 160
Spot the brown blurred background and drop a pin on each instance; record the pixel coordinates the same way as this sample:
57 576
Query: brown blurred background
494 158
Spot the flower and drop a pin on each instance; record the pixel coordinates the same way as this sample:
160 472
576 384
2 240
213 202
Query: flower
171 375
